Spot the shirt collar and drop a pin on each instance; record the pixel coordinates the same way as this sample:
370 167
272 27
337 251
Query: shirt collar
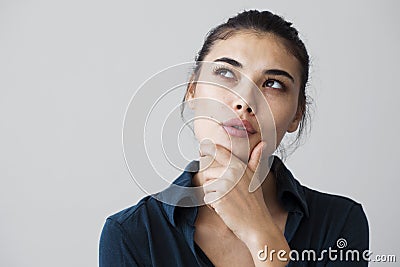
184 180
289 190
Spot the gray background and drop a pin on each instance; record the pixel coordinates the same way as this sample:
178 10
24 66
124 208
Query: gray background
68 70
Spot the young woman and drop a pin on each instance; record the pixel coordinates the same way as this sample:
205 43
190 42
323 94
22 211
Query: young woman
281 222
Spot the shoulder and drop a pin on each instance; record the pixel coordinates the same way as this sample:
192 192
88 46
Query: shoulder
125 234
133 212
339 216
316 205
129 225
338 204
137 216
326 203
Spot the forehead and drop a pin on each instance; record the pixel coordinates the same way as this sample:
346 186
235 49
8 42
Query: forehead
256 52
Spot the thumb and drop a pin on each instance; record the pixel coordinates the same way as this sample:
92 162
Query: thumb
255 156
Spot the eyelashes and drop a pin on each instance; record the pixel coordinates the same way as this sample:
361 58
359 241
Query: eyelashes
225 72
229 74
275 84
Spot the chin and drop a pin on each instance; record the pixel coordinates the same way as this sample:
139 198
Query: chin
240 147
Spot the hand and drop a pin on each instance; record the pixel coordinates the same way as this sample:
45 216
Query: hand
226 190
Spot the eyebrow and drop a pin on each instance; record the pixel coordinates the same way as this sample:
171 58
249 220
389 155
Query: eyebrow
229 61
235 63
279 72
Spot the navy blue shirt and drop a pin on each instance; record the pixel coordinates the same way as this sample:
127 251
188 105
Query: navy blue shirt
323 229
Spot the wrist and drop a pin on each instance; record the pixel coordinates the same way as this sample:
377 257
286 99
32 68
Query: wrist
257 237
272 249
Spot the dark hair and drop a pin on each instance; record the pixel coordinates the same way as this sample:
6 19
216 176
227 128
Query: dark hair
262 22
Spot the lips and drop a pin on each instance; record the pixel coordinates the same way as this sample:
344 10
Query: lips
239 128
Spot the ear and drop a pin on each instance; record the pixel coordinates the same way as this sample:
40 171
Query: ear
190 91
296 121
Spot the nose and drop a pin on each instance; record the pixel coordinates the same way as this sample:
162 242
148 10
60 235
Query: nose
241 106
244 100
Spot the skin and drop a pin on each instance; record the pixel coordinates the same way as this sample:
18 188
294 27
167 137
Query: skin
236 223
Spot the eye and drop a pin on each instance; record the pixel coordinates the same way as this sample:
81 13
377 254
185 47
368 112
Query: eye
273 84
225 73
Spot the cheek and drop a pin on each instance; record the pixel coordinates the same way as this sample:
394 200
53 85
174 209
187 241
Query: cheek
210 106
202 128
214 103
212 92
283 113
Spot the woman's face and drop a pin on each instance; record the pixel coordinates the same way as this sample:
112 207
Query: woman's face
275 72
